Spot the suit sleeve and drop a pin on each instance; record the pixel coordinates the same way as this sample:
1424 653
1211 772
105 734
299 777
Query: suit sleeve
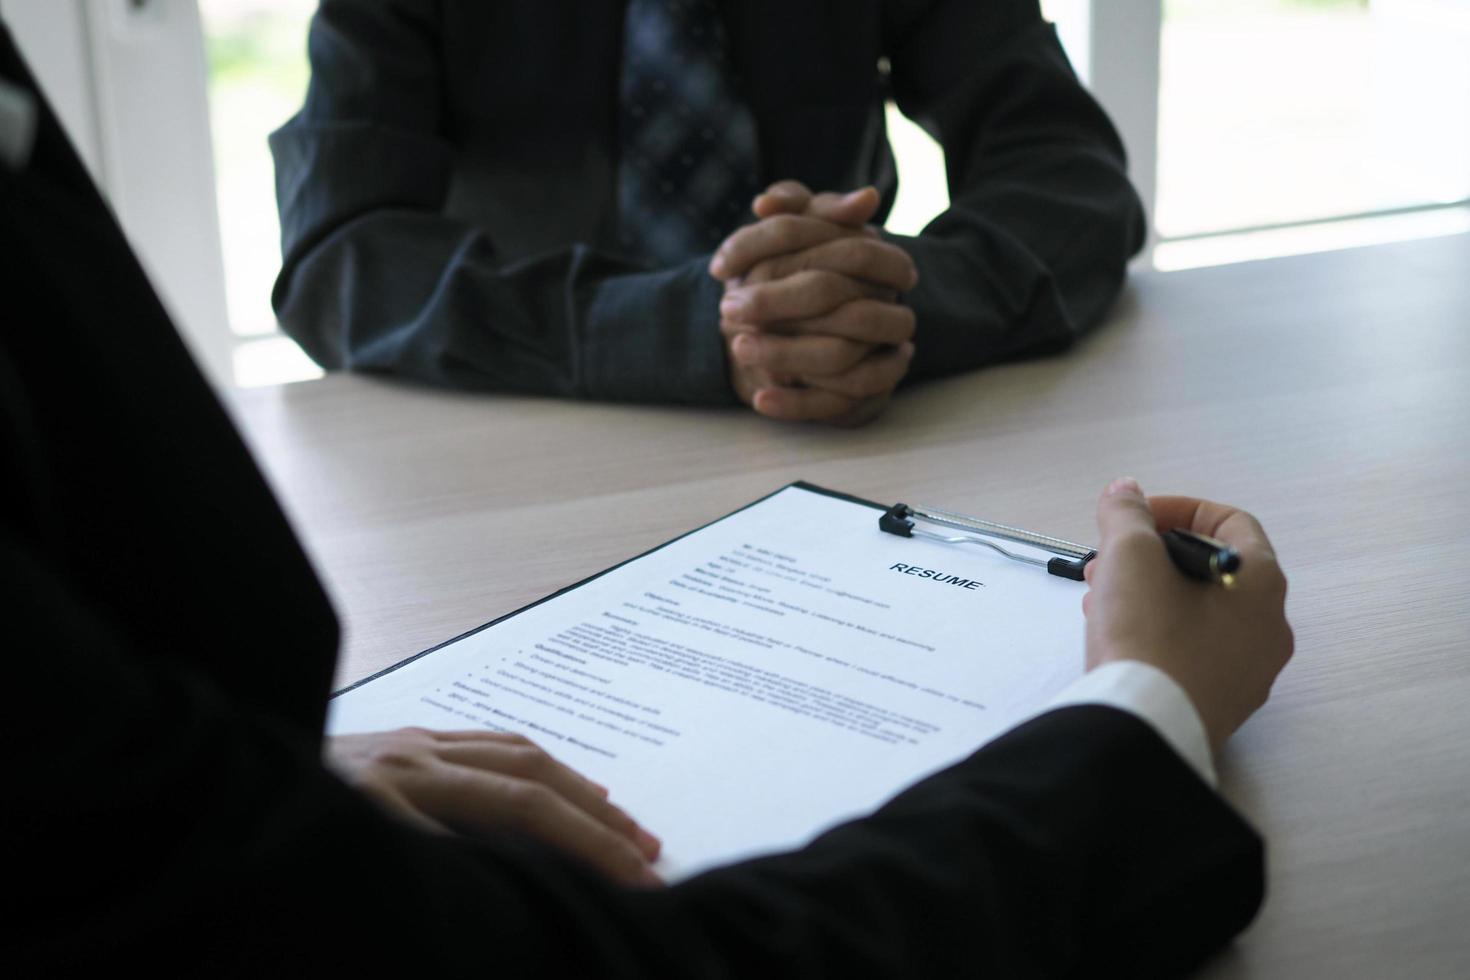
377 276
1042 219
164 823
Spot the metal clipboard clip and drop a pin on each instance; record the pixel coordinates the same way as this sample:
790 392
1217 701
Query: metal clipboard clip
1069 561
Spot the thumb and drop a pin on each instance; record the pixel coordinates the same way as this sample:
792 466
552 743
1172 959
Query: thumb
1122 510
853 209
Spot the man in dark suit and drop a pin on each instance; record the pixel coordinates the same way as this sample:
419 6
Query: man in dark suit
170 651
527 197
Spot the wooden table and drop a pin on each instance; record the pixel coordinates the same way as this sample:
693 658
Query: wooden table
1329 394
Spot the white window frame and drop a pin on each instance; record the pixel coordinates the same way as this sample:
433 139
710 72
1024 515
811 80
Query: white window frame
1123 56
129 81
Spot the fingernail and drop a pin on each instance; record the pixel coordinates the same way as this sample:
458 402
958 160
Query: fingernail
650 878
733 304
717 266
601 789
648 843
1123 484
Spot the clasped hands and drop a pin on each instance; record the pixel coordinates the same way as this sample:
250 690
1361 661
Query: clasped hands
811 315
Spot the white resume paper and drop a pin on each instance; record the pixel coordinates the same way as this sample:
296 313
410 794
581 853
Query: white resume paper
747 686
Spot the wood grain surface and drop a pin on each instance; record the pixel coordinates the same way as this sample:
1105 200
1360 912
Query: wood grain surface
1328 394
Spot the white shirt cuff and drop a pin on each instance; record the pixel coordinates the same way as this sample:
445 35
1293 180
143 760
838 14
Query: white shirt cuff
1152 695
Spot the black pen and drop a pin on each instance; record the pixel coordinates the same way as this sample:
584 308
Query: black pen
1202 557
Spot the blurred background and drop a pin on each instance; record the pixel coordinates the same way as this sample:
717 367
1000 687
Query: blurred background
1255 128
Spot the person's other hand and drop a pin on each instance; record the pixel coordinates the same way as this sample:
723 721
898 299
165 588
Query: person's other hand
1224 646
480 783
810 313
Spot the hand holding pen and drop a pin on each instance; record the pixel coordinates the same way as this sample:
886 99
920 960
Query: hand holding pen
1202 557
1223 646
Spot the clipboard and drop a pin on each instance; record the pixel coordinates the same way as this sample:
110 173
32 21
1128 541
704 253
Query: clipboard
790 644
904 520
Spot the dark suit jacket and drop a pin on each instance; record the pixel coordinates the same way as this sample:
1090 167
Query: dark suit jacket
168 655
447 192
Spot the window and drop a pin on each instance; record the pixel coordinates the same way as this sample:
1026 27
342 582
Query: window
1282 126
1308 118
256 51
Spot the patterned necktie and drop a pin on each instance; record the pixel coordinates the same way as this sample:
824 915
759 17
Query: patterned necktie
687 172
